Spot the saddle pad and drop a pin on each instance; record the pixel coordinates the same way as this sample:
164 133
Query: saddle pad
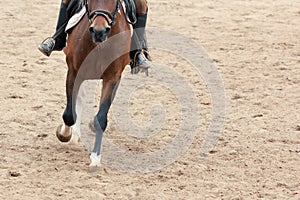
75 19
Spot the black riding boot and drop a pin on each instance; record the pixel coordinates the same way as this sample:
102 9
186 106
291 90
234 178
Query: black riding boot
58 41
138 53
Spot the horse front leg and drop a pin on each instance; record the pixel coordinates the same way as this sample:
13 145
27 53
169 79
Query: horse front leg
64 132
109 89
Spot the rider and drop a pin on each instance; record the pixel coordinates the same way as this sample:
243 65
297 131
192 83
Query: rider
139 56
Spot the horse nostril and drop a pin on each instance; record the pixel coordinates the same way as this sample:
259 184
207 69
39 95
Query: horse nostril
92 30
107 30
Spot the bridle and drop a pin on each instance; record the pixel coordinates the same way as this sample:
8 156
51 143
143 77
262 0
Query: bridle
110 17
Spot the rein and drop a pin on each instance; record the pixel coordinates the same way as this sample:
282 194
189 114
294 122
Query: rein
110 17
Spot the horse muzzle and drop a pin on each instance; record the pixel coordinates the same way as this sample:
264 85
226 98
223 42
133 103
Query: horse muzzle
99 35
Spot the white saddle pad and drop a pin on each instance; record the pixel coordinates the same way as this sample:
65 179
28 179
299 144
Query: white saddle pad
75 19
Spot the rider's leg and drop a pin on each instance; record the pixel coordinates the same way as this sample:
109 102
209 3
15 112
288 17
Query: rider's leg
139 53
58 40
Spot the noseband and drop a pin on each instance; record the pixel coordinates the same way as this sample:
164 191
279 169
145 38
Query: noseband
110 17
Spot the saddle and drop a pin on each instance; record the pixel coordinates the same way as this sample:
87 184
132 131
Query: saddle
76 10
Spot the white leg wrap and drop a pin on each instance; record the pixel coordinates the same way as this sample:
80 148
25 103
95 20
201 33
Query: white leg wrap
95 159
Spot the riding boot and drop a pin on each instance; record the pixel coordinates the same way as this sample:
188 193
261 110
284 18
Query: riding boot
139 54
58 41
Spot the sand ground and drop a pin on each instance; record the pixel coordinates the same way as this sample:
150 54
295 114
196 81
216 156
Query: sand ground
256 48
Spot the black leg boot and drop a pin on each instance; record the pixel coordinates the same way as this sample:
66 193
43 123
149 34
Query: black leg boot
138 54
58 41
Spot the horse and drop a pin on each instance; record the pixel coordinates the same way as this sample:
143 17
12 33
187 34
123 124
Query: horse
107 29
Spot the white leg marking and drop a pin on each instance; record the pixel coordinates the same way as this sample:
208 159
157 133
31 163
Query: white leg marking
75 139
95 159
66 130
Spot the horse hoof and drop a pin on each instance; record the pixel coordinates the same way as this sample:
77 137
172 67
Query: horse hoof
94 164
60 137
75 139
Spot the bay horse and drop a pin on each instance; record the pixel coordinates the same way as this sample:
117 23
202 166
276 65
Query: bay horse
106 29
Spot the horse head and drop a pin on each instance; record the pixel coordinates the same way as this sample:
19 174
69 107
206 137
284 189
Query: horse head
102 16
